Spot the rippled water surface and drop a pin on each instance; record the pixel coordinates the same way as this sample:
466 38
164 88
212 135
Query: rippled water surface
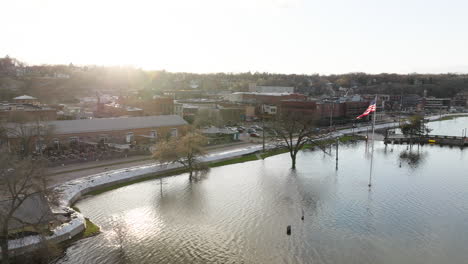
416 211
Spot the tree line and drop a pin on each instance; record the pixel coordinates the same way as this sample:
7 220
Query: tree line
122 79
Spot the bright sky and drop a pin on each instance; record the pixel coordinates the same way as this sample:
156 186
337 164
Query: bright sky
282 36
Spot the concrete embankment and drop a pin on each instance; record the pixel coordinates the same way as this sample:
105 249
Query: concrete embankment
71 191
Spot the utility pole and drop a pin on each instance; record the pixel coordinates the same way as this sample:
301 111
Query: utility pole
401 109
263 131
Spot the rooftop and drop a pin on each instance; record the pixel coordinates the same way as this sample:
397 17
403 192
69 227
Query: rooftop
25 97
25 107
266 94
112 124
272 87
215 130
34 210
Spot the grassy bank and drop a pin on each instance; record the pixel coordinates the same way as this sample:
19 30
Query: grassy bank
273 152
91 228
149 177
172 173
241 159
451 117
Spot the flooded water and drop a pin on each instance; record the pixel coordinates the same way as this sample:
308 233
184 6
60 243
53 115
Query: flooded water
415 212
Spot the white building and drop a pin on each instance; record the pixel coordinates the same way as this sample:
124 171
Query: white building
271 89
270 109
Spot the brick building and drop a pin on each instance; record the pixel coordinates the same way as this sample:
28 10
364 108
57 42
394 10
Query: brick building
157 105
116 110
306 108
343 110
354 109
461 99
436 104
330 109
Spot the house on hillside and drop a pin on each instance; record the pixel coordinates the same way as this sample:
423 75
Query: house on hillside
26 99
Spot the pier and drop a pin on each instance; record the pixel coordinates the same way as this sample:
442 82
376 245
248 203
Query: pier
427 139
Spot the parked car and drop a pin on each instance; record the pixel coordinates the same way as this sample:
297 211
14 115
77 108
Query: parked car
254 135
251 130
257 127
241 129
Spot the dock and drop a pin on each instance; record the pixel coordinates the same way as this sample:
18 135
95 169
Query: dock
427 139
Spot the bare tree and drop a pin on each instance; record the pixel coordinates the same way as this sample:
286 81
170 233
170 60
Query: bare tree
24 197
185 150
25 132
294 130
23 192
120 234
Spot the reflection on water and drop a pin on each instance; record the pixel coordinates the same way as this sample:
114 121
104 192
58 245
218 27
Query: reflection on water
414 213
412 158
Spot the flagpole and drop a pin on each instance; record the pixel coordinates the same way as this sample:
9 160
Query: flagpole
373 134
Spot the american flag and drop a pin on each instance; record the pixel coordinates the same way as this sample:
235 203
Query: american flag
369 110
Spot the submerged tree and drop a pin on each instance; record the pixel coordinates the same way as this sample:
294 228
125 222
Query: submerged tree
120 234
415 126
294 130
185 150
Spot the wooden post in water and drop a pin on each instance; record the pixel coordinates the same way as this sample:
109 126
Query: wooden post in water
337 143
367 133
160 183
288 230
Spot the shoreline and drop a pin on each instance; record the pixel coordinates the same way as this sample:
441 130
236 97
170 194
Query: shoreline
72 191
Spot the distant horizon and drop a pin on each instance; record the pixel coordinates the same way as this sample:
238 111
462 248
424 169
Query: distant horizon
226 72
212 36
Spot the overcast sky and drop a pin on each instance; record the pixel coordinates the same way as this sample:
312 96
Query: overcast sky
282 36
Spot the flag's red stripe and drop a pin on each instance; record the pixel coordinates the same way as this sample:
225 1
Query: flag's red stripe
370 109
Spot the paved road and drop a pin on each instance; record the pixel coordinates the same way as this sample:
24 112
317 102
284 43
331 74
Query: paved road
63 174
